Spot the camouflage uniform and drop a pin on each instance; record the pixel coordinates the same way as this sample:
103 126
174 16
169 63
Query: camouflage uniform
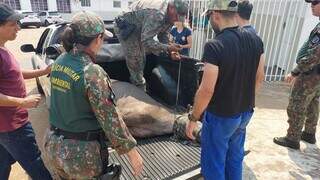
147 19
75 159
303 108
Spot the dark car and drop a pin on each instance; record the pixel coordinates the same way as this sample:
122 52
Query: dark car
164 157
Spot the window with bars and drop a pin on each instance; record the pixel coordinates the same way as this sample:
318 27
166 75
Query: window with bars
117 4
63 6
14 4
39 5
86 3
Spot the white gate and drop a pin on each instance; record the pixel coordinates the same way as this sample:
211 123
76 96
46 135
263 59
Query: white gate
278 23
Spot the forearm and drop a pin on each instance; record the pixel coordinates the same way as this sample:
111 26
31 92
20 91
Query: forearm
29 74
155 47
201 102
10 101
186 46
258 84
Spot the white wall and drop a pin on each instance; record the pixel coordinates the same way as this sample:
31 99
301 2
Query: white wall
25 5
103 8
52 5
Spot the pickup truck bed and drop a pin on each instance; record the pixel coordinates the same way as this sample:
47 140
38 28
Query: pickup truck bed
164 158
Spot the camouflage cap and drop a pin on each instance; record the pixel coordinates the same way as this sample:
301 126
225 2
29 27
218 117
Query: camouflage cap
182 9
221 5
8 14
88 24
310 1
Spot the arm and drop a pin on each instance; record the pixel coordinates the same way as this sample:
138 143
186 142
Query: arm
163 37
29 74
99 92
260 73
203 96
27 102
206 89
170 39
306 63
189 45
10 101
152 27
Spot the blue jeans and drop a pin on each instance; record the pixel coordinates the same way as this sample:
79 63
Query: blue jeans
20 145
222 142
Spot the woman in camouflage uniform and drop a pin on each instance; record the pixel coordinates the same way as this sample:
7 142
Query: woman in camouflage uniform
82 109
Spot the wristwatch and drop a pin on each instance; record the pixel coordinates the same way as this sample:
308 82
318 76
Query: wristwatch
191 117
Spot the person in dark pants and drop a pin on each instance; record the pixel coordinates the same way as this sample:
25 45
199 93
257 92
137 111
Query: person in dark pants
17 139
233 72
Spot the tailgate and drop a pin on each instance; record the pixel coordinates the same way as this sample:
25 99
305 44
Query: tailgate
164 158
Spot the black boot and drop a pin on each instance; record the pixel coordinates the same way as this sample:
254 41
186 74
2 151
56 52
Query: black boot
284 141
309 138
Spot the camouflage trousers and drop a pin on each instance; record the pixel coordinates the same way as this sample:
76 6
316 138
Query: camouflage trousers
73 159
135 57
303 108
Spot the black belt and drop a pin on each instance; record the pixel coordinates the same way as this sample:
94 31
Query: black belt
94 135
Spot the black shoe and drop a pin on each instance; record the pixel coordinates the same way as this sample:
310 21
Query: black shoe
112 172
309 138
284 141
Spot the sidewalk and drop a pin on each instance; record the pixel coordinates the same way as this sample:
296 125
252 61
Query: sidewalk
268 160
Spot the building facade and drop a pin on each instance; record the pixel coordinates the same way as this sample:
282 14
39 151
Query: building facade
107 9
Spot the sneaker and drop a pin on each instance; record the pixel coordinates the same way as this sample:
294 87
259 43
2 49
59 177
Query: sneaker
284 141
309 138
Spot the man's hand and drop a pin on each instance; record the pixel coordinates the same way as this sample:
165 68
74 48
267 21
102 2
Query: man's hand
31 101
290 79
174 48
175 56
136 161
191 125
47 70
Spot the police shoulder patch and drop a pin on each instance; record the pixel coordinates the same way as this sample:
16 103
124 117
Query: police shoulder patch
315 40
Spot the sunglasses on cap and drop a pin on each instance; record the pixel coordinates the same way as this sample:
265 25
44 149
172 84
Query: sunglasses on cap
315 2
208 14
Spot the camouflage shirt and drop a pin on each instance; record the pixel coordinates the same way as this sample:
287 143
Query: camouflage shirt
101 98
150 20
304 60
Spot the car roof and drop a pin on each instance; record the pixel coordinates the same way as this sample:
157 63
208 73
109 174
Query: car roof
24 11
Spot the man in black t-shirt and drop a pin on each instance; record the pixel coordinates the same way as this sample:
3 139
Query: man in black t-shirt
243 16
233 72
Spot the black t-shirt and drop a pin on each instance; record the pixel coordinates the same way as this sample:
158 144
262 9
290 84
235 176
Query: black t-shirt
237 54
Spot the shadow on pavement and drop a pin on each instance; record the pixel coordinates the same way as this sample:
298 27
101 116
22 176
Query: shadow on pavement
308 160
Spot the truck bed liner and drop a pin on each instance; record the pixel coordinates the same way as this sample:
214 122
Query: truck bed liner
164 158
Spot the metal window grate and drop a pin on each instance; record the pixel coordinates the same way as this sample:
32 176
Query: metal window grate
85 3
163 159
117 4
14 4
63 6
39 5
278 23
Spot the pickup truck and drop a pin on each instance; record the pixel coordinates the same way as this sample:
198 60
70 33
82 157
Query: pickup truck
164 157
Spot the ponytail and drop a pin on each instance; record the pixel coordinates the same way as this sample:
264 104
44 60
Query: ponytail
68 38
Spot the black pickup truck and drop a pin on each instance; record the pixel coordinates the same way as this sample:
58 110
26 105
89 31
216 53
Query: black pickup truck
164 157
